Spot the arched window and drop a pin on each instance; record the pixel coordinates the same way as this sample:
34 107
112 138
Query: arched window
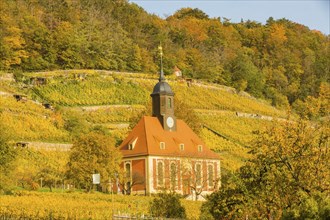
128 178
128 170
160 173
173 175
210 172
169 102
198 175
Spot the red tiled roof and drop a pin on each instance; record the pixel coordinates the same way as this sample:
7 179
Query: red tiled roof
176 69
149 133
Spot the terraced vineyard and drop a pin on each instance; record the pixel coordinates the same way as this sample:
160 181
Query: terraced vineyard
95 91
233 136
107 114
109 100
29 121
113 88
239 129
212 98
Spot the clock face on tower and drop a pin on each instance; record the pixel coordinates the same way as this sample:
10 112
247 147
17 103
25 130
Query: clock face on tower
170 122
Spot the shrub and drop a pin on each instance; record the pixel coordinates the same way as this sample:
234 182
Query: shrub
167 205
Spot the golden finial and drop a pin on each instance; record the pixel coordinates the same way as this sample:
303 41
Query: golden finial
160 50
161 77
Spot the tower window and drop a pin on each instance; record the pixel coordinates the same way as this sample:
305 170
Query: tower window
181 147
169 103
162 145
200 148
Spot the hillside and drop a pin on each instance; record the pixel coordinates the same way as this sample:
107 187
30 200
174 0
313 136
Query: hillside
81 100
281 61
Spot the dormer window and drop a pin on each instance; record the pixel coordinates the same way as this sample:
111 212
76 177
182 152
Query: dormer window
162 145
200 148
181 147
131 144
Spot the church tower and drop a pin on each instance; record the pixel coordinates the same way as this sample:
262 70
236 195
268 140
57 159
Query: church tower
163 101
159 145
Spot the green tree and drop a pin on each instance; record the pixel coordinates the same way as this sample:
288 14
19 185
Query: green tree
134 59
93 153
227 202
75 124
245 75
167 205
189 12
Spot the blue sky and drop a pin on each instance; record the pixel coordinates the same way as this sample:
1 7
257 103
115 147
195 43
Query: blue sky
312 13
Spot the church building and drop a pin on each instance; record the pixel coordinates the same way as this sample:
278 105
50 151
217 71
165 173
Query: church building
163 153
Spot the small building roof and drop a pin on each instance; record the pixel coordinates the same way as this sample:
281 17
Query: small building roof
146 136
176 69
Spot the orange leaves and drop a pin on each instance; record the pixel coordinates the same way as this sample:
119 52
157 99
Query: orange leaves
277 35
192 30
14 42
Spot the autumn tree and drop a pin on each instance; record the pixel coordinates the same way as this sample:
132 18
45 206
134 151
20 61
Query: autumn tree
75 124
26 168
127 180
7 157
193 178
49 175
289 172
313 108
93 153
196 177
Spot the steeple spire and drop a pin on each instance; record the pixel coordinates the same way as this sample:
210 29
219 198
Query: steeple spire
163 100
161 76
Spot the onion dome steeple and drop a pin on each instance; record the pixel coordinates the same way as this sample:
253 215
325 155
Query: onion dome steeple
163 100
